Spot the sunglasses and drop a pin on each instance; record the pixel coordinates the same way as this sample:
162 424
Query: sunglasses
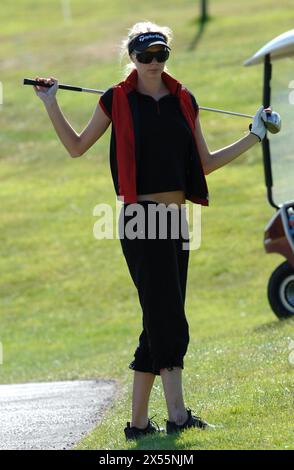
147 56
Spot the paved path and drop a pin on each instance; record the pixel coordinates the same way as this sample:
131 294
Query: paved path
51 415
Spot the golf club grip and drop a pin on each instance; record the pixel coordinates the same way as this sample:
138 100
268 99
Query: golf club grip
28 81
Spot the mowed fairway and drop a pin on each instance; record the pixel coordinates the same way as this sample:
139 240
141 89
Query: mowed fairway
69 310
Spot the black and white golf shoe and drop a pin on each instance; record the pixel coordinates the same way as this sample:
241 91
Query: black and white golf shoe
133 433
191 422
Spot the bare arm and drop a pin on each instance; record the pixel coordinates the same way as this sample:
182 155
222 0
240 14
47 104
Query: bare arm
95 128
211 161
68 136
77 144
225 155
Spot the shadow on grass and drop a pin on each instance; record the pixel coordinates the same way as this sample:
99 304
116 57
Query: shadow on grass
274 325
199 33
166 442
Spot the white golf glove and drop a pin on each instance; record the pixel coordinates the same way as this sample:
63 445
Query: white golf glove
258 127
47 95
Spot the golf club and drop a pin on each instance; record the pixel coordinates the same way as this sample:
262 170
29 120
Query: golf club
273 123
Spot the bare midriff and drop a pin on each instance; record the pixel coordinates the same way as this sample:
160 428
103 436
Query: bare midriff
169 197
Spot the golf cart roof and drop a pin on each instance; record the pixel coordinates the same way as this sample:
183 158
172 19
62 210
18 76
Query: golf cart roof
281 46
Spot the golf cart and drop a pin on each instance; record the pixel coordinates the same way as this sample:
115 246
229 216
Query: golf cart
278 159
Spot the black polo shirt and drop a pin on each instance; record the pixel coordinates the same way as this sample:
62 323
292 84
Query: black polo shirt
163 139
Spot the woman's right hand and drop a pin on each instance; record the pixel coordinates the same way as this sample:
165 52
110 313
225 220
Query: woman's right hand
47 95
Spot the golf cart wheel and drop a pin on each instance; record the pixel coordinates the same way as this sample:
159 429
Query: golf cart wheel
281 291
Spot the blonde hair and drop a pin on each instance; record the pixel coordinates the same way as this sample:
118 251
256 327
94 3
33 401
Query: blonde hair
135 30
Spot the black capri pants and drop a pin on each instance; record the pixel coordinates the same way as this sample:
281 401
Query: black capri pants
158 267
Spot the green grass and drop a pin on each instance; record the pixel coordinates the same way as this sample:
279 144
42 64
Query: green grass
68 307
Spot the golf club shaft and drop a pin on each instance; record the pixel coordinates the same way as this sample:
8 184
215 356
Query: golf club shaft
28 81
225 112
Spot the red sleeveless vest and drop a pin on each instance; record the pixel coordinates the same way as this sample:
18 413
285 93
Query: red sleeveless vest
125 142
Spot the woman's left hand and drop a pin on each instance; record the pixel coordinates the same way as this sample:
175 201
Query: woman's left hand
258 127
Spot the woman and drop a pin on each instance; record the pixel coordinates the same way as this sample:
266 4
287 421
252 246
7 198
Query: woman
158 157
